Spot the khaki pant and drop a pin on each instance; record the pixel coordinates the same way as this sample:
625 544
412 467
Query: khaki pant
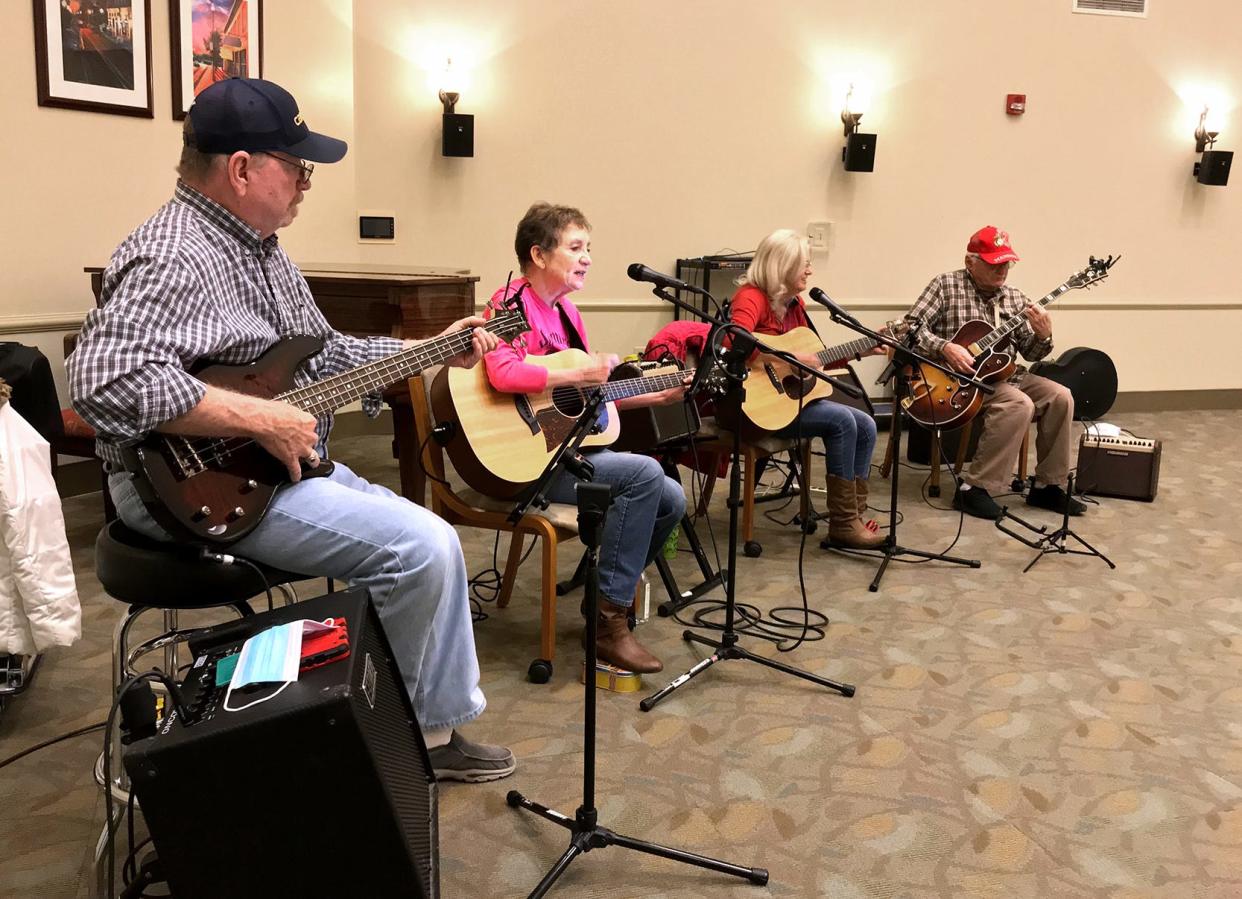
1007 414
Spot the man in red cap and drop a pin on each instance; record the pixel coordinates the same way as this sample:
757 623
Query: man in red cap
978 292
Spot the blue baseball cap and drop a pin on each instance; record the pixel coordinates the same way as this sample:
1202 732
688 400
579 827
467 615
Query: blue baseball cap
255 115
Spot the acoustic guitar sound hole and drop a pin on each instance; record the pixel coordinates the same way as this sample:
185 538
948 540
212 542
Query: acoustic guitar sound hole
796 387
568 401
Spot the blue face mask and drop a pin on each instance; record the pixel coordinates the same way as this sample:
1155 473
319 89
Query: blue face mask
269 657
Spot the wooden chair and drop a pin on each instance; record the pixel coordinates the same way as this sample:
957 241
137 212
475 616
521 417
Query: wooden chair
458 504
719 442
963 446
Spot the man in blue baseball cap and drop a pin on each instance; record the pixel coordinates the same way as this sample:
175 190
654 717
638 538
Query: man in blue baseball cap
205 279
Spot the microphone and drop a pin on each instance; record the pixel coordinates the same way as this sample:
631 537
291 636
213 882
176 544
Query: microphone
824 300
639 272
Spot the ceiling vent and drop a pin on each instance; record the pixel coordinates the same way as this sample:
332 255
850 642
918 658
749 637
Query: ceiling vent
1134 8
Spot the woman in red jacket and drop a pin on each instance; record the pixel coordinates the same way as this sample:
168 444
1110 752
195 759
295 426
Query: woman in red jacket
768 302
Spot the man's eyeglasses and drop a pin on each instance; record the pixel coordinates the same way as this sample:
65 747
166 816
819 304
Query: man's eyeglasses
305 169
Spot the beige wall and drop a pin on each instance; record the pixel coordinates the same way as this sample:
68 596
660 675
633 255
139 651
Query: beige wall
688 128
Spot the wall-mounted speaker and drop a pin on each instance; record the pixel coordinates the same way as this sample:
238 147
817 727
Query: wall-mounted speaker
458 135
859 152
1214 167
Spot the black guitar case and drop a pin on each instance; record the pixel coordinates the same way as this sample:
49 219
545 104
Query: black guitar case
1090 376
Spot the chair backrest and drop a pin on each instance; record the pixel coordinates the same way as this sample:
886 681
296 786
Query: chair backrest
431 454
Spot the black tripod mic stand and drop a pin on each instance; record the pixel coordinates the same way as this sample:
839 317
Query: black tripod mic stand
593 503
903 357
585 831
727 646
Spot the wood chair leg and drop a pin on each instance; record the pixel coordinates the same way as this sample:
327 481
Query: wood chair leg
1023 452
886 467
547 605
709 483
516 542
933 459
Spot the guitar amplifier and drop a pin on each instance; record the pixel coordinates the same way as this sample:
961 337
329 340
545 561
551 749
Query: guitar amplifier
324 790
1125 467
646 428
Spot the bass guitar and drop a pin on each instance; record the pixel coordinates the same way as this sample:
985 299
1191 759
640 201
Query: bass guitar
775 389
938 400
500 442
217 489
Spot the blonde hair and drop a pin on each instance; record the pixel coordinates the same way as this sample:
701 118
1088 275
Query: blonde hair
779 259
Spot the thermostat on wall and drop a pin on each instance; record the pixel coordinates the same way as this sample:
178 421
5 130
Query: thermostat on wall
377 226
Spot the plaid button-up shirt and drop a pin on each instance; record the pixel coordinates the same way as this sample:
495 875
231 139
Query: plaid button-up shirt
952 299
195 284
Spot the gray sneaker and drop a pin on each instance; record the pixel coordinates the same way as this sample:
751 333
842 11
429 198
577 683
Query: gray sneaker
460 759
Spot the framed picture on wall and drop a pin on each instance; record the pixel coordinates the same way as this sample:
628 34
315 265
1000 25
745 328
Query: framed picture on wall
213 40
94 55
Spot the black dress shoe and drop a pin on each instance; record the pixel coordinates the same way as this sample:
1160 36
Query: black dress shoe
1054 498
977 502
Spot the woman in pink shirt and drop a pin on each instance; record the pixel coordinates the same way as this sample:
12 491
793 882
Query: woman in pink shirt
553 247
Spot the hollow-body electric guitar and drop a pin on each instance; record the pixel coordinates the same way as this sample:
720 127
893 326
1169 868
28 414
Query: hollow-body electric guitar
217 489
938 400
500 442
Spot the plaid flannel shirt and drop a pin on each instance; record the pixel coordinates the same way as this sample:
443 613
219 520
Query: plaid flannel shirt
191 285
952 299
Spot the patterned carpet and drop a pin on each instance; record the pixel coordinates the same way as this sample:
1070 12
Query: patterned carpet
1071 731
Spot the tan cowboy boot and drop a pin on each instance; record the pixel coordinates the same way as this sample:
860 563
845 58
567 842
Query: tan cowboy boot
845 528
861 489
615 642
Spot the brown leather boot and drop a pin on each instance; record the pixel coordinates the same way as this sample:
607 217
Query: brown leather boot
615 642
862 487
845 528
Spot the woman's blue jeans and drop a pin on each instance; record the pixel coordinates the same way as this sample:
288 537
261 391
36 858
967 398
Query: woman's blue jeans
848 435
646 506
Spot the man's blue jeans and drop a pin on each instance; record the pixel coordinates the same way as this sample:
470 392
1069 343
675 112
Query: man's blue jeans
344 527
646 506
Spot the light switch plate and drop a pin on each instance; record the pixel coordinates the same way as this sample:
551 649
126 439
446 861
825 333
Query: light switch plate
819 233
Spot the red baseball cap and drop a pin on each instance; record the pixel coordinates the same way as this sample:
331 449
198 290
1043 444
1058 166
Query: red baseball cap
992 246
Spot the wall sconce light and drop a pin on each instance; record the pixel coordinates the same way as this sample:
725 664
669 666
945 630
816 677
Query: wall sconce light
1213 166
858 154
458 139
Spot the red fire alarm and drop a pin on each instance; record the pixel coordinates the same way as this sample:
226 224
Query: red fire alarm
1015 104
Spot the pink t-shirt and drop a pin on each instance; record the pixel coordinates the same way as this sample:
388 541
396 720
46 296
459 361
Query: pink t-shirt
506 369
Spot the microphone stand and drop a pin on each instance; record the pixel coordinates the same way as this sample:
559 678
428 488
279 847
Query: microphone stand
585 831
903 356
734 364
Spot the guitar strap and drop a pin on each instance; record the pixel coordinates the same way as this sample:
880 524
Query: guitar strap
810 324
575 339
571 332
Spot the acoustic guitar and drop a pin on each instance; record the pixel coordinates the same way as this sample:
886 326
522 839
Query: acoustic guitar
501 442
775 389
217 489
938 400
